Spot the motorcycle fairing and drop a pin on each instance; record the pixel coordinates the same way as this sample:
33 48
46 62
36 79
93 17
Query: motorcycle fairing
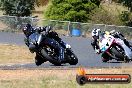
105 42
126 48
35 38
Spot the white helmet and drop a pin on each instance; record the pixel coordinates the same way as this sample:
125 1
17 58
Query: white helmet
95 32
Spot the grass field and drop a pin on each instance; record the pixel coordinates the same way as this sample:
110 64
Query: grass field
15 54
55 78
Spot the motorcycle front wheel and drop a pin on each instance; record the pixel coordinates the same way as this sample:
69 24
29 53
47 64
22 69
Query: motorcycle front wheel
105 57
51 56
39 60
72 58
119 52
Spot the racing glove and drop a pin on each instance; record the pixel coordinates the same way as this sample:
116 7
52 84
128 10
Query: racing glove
68 46
97 51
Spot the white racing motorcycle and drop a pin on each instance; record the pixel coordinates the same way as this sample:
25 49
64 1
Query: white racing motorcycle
114 48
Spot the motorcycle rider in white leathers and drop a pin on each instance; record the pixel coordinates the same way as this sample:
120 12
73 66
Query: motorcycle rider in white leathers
96 33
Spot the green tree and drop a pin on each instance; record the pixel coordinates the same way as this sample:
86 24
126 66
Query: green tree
97 2
126 18
127 3
73 10
17 7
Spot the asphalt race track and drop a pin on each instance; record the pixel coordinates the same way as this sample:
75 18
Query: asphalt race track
81 47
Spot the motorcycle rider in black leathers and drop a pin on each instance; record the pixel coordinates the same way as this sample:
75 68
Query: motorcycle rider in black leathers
29 29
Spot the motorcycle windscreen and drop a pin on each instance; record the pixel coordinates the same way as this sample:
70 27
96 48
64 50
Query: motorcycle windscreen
35 38
103 46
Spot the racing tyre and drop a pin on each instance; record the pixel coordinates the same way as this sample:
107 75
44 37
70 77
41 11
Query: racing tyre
117 53
105 57
53 60
73 60
39 60
127 60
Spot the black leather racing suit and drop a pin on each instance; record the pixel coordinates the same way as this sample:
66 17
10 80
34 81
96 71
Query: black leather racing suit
50 35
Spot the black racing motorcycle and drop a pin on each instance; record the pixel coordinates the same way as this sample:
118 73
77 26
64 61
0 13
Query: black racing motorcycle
46 52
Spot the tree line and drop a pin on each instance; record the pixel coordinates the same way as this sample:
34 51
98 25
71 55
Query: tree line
72 10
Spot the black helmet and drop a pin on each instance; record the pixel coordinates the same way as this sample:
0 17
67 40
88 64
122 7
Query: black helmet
27 29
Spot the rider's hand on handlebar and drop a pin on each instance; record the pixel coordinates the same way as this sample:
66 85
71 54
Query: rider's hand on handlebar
97 51
47 28
68 46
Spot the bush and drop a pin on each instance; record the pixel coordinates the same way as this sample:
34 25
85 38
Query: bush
126 18
17 7
101 16
71 10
